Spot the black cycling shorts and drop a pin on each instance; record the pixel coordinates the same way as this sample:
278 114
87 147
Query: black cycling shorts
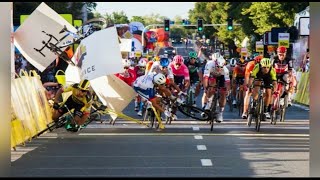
71 104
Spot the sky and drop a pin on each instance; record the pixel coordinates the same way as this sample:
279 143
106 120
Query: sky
168 9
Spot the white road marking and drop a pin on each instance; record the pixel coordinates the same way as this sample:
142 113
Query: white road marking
198 137
193 134
206 162
201 147
196 128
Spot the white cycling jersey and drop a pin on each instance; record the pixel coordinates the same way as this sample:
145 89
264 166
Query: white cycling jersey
211 70
155 69
144 82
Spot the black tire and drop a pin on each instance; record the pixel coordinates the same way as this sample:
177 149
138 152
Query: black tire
273 119
260 113
241 103
230 103
187 109
249 119
283 109
151 117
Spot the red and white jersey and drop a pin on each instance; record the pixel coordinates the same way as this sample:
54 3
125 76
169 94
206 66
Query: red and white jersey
211 71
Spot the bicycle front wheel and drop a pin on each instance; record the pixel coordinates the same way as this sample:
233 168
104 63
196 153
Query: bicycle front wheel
193 112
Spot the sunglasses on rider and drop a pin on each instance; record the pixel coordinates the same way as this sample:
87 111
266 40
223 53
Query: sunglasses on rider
220 67
83 90
265 67
178 64
125 67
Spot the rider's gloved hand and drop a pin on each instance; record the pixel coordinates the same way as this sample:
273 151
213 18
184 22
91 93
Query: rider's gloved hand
56 106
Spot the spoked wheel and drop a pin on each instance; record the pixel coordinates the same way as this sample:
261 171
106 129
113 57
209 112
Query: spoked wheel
260 115
249 119
274 116
283 109
194 112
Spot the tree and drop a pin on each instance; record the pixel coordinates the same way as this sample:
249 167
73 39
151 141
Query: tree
137 19
266 15
74 8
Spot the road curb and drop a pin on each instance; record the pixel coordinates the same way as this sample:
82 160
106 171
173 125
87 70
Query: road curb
304 107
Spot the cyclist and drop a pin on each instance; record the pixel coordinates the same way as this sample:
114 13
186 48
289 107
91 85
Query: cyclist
129 75
194 73
80 101
214 57
180 72
249 69
265 72
238 78
216 73
162 66
148 85
283 66
140 71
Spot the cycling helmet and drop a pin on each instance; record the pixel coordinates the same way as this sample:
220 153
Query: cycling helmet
233 62
126 62
281 49
143 62
215 56
220 62
178 59
164 62
159 79
265 62
84 85
257 59
193 54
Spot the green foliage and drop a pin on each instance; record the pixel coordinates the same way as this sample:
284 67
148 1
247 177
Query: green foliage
74 8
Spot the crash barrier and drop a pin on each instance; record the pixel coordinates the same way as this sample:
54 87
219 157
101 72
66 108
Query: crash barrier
30 108
302 94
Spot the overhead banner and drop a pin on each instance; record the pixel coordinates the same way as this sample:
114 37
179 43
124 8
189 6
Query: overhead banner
29 35
113 92
283 39
99 54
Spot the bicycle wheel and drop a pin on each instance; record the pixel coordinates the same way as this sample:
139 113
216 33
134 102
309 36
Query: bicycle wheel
260 113
213 112
273 114
193 112
283 109
240 102
250 112
230 103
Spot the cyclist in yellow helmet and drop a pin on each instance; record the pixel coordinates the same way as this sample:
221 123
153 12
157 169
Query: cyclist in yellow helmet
265 72
80 100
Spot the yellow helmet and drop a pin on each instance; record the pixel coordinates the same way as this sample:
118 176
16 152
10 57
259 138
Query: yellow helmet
265 62
84 84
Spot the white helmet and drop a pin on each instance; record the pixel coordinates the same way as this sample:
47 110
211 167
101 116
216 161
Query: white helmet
220 62
233 62
126 62
142 62
159 78
215 56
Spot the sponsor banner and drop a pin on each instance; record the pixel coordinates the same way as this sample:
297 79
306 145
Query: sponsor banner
283 39
259 46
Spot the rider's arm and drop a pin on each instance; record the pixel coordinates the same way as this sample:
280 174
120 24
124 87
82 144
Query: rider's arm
273 76
186 77
254 74
206 74
226 77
